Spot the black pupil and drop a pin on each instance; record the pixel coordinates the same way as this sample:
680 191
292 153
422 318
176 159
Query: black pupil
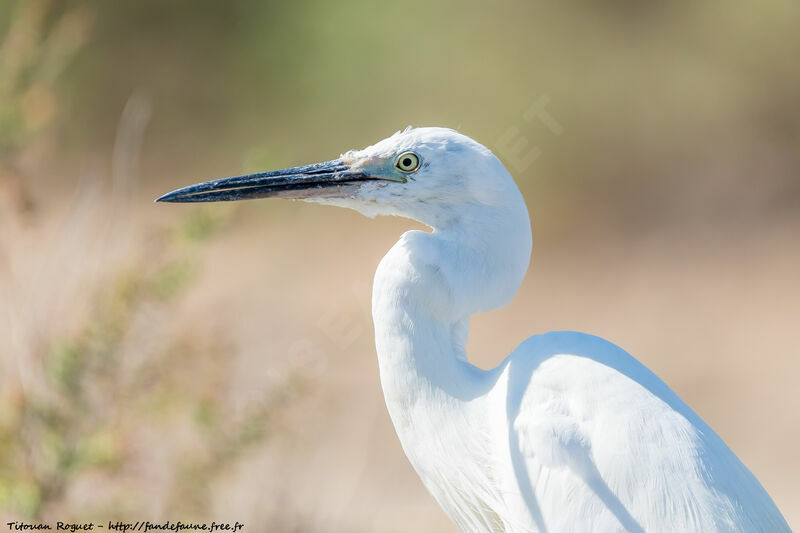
407 162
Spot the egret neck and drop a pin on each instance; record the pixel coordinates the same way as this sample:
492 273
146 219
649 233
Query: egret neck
425 290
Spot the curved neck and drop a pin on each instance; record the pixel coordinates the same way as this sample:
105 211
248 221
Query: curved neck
426 288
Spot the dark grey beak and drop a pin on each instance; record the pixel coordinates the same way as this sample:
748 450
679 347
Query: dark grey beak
320 180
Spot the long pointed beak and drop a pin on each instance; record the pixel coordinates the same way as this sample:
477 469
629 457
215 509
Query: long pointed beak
331 178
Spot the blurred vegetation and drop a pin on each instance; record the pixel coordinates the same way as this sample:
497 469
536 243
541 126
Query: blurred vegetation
83 423
38 42
88 419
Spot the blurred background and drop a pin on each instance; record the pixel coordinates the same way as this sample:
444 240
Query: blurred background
217 362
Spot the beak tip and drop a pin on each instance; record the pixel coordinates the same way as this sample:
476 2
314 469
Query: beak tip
165 197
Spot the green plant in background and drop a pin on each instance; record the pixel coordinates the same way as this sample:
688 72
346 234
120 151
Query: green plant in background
48 439
41 39
85 423
82 427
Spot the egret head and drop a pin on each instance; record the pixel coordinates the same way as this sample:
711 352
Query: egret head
433 175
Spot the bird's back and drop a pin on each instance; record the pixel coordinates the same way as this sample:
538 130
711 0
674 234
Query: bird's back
597 442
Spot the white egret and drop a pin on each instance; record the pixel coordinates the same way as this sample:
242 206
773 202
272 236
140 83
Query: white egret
569 432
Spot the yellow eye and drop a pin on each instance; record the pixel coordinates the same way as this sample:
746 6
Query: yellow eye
407 162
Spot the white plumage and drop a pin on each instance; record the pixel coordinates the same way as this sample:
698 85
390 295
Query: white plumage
569 433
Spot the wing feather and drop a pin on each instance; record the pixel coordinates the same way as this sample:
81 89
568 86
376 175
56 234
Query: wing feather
606 446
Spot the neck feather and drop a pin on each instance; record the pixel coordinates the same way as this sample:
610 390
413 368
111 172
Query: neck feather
426 288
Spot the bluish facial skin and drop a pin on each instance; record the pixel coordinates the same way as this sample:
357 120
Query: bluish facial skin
393 168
